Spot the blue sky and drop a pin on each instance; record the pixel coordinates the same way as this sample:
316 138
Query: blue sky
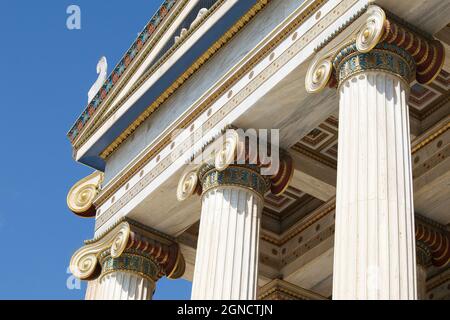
47 71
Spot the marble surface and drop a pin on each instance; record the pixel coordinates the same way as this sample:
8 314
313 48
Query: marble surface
191 90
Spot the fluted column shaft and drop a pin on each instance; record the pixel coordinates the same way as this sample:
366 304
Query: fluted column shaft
92 290
226 266
131 276
124 286
374 255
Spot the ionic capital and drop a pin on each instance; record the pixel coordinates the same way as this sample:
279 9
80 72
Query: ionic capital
131 247
382 43
436 238
80 198
235 164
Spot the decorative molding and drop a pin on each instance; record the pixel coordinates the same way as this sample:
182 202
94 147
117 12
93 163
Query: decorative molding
282 290
321 143
383 57
80 198
132 263
228 35
120 69
300 226
244 176
430 233
430 136
152 70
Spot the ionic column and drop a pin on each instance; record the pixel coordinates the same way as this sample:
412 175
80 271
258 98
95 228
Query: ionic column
92 290
375 252
375 245
232 195
226 266
126 262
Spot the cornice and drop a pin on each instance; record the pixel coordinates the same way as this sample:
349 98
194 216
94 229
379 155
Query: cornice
121 72
108 113
227 36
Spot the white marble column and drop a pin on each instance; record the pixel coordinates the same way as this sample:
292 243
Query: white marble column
226 266
92 290
375 254
131 276
125 286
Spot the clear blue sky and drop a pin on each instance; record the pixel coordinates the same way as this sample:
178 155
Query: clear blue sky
47 71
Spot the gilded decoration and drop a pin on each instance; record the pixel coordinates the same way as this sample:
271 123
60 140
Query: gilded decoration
247 176
384 57
131 238
110 83
107 112
372 31
383 43
319 74
311 9
80 198
133 263
187 186
170 90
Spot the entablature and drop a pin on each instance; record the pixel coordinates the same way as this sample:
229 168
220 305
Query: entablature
158 82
